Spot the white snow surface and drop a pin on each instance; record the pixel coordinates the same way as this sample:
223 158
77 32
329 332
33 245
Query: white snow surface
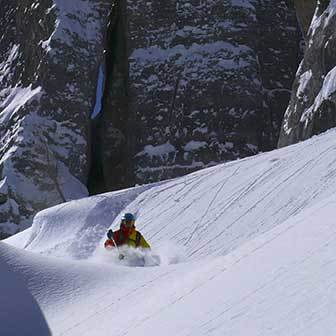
247 248
194 145
304 80
158 150
69 27
16 99
19 314
328 88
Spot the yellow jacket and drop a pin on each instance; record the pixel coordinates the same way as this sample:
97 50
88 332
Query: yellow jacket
132 240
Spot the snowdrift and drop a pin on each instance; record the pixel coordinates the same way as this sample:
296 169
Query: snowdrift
249 250
20 314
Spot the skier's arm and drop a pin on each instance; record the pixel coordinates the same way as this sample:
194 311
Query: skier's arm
110 242
110 234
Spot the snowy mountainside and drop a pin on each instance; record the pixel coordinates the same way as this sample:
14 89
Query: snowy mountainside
257 236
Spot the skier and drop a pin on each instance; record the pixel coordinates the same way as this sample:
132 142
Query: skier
126 235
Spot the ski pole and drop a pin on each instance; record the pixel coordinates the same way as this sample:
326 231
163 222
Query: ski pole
120 255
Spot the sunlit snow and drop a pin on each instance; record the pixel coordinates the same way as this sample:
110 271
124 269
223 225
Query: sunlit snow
247 248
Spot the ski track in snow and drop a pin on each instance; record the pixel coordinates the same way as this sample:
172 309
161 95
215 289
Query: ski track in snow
247 248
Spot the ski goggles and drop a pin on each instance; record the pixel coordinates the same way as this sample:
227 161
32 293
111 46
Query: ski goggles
128 223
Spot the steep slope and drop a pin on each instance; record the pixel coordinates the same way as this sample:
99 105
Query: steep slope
210 212
281 282
312 107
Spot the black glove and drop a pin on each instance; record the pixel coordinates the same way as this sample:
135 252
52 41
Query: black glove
110 234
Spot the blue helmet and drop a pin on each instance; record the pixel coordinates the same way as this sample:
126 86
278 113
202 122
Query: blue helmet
128 217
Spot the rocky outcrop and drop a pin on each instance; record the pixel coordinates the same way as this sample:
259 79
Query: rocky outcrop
193 83
48 66
312 108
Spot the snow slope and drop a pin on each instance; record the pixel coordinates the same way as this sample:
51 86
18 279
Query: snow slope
246 247
19 314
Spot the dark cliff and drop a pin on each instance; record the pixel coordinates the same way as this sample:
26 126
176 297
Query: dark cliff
191 84
305 10
312 108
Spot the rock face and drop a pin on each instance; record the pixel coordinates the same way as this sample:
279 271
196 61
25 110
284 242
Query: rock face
188 84
48 66
305 11
193 83
312 108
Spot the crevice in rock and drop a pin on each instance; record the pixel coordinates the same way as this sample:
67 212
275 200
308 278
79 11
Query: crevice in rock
275 61
305 12
110 142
